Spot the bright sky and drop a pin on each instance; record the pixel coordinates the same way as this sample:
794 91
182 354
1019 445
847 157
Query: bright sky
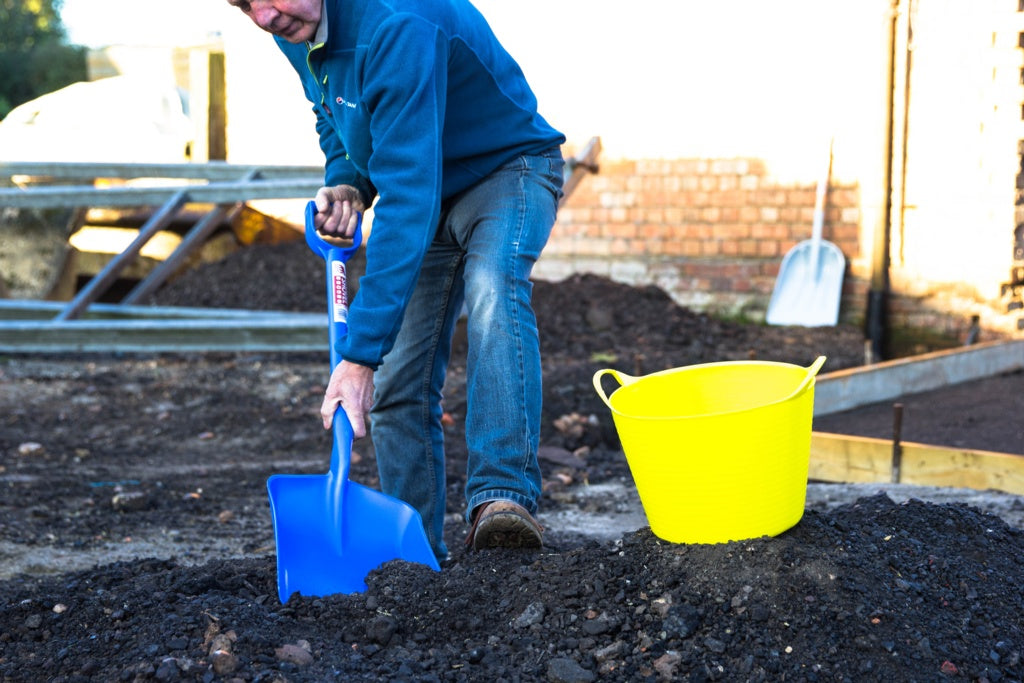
96 23
633 77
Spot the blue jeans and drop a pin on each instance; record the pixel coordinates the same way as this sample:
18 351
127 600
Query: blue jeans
487 241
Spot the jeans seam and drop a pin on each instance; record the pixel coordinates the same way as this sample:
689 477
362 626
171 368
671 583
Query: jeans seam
520 354
426 382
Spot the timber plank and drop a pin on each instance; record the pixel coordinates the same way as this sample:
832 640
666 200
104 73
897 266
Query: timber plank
858 459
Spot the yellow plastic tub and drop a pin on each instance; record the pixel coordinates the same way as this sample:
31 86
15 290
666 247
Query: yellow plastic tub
718 451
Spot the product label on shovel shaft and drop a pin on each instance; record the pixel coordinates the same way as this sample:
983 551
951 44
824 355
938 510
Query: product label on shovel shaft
339 292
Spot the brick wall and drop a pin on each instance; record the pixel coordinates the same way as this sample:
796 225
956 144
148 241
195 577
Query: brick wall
710 232
713 233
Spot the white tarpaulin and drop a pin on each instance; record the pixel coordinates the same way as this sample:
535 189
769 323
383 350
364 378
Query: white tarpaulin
119 119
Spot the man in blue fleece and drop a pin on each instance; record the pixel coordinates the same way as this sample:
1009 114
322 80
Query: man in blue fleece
419 107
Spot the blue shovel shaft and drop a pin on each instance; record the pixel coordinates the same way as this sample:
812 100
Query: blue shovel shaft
335 257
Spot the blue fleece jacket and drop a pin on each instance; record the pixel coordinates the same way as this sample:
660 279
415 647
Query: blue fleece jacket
416 101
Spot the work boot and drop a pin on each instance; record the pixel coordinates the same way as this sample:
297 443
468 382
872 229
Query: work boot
504 524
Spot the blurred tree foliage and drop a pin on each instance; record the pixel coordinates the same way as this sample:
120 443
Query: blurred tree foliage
35 57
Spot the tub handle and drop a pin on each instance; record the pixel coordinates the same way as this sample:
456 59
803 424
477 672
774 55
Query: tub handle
622 378
811 372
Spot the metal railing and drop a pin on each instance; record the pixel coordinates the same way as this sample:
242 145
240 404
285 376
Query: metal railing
83 325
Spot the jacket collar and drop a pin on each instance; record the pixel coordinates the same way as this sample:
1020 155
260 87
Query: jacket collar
321 30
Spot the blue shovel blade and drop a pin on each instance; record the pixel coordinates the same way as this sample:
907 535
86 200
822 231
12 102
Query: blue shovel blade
319 555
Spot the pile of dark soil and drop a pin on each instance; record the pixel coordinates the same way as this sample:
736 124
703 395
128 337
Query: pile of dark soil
872 591
117 459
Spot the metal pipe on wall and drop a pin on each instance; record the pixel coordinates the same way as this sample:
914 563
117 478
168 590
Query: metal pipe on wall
877 316
908 63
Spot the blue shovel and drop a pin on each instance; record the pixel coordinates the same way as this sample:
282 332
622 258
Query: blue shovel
331 532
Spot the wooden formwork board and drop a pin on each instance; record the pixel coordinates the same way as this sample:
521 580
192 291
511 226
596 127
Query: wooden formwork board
856 459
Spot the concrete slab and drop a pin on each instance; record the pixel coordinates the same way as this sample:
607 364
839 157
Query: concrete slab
846 389
619 510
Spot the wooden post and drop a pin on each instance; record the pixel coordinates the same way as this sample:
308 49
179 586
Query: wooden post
897 448
217 139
